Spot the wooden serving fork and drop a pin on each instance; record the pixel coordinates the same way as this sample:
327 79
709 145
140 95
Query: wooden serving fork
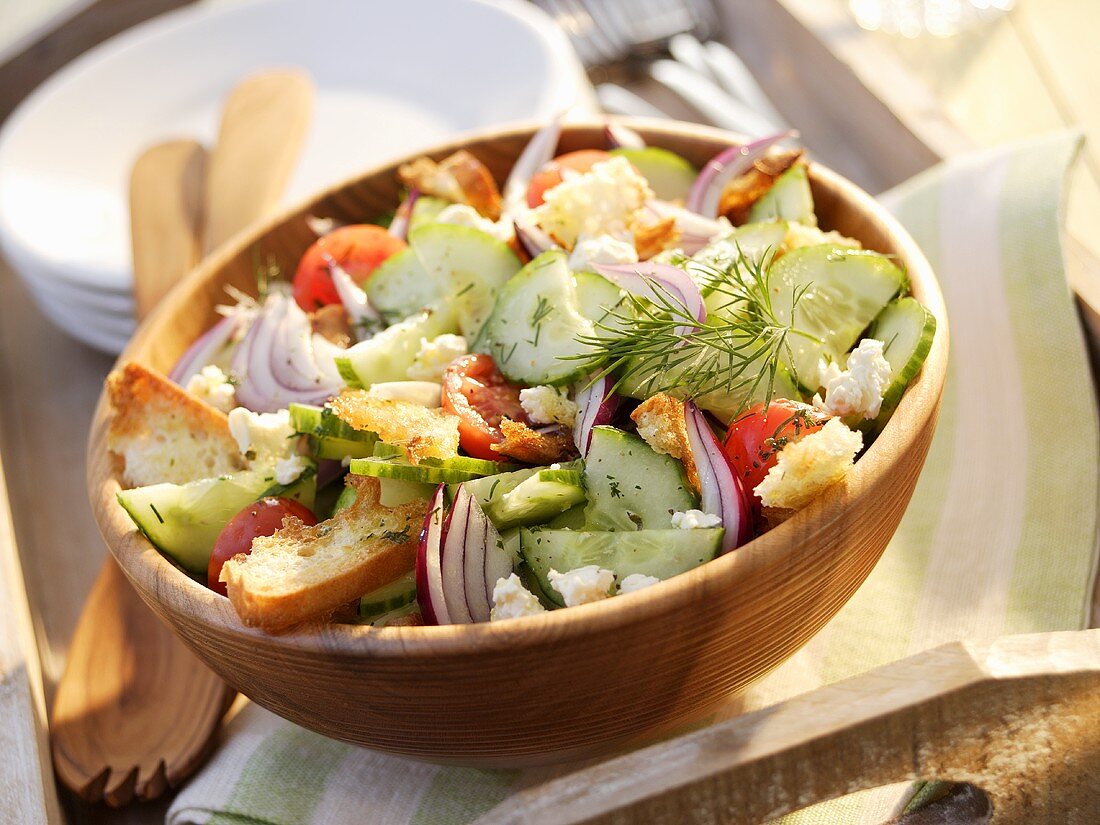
136 712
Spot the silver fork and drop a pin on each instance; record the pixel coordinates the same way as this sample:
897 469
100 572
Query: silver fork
710 77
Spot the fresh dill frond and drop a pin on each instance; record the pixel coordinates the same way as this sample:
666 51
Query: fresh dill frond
659 346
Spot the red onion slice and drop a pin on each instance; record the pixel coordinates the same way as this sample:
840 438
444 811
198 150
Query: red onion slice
399 226
352 296
498 560
721 491
622 136
706 192
429 573
660 283
695 230
531 236
206 347
597 402
277 362
537 153
453 560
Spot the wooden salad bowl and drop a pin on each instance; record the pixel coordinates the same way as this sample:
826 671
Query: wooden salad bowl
574 682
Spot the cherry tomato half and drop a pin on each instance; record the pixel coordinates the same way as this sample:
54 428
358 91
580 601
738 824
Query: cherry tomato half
261 518
754 439
476 391
550 175
358 249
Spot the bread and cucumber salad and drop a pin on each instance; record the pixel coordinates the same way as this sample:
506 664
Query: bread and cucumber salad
512 397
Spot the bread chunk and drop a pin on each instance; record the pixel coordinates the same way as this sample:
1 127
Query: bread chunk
423 432
162 433
302 573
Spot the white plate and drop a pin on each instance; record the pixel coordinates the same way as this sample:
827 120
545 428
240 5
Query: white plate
390 77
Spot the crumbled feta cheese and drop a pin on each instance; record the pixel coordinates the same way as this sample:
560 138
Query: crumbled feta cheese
435 355
511 600
583 585
635 582
602 201
262 437
601 249
548 405
806 467
212 386
459 214
799 234
288 469
695 520
424 393
857 390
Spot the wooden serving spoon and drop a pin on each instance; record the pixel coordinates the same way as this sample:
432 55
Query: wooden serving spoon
136 712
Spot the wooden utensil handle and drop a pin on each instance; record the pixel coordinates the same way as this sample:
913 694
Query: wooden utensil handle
1020 718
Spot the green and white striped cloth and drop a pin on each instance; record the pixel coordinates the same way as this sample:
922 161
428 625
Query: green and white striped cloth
1000 536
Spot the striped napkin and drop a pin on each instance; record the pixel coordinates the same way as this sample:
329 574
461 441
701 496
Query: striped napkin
1000 536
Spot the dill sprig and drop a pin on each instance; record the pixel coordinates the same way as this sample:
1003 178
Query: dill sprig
657 345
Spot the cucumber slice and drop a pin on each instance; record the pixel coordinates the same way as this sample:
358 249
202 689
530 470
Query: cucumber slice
596 296
489 489
789 199
425 210
472 265
474 466
842 291
388 597
323 422
183 520
403 471
571 519
337 449
670 176
538 498
389 354
907 330
533 331
392 493
660 553
631 487
389 618
400 287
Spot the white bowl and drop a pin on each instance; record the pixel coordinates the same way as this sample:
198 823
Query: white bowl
390 78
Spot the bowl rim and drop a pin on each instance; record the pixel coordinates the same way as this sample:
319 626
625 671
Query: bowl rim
152 572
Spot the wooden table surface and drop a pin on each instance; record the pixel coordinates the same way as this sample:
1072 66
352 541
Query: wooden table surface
877 121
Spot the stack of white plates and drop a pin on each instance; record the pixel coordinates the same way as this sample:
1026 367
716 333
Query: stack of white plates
390 78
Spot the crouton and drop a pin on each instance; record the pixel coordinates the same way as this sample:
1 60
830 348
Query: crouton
423 432
743 191
460 178
662 426
804 468
302 573
651 239
524 444
161 433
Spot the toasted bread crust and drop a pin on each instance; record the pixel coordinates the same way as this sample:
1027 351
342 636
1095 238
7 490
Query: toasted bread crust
461 178
302 573
742 192
661 424
160 431
423 432
524 444
651 239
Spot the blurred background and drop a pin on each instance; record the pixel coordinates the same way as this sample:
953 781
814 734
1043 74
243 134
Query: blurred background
879 90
